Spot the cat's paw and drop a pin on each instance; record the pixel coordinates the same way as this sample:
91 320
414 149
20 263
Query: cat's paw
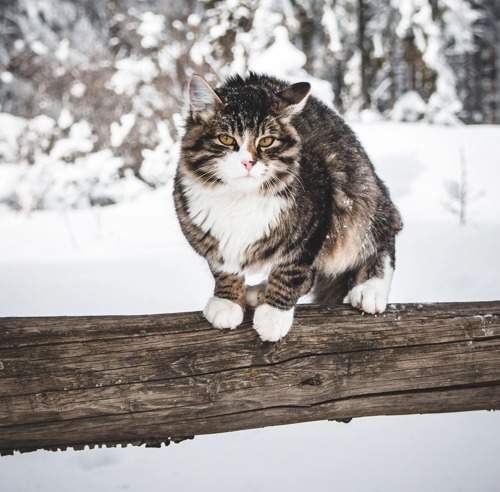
223 313
370 296
271 323
254 294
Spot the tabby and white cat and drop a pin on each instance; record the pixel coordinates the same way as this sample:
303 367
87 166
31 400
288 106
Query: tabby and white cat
270 179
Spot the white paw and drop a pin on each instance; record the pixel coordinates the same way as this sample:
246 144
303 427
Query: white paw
223 313
254 294
271 323
370 296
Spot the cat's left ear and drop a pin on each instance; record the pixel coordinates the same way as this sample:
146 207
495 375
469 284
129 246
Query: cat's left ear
295 96
202 98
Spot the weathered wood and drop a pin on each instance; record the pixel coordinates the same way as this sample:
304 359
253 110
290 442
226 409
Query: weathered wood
76 381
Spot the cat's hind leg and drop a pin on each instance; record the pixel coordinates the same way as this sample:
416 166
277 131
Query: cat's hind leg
372 285
254 294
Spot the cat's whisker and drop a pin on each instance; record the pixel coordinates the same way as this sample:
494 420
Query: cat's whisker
209 178
297 176
284 189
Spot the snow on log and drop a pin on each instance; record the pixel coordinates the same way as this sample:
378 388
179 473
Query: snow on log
109 380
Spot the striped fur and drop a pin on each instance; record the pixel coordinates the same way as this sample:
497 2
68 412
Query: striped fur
308 209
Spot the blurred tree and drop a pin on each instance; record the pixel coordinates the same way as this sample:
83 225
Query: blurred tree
121 67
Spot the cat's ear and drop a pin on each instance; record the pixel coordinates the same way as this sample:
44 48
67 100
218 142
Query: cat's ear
295 96
202 98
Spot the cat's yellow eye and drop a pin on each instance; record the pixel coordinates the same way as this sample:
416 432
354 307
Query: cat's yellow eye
266 142
226 139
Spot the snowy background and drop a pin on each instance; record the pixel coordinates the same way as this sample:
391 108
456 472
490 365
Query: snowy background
131 258
90 95
91 92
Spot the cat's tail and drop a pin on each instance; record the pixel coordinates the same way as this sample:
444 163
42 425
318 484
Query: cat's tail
332 290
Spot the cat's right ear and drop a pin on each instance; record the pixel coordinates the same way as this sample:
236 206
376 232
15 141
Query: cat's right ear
202 98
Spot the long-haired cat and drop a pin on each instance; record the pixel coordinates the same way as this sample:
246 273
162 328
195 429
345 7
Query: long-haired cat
270 179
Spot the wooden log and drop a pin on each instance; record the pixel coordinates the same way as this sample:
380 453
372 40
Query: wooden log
77 381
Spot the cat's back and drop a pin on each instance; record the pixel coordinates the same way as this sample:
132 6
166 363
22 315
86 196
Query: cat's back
325 135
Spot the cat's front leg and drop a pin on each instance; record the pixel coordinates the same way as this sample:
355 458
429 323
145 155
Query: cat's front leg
274 317
272 323
225 309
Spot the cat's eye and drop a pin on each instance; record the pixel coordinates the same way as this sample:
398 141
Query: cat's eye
226 139
266 142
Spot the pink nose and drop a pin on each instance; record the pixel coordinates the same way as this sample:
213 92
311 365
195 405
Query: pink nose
248 164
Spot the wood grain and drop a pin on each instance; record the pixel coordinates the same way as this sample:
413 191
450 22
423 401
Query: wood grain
77 381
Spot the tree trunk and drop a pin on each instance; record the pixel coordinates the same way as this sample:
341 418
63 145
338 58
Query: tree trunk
365 55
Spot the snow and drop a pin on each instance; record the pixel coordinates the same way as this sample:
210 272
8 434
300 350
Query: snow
12 129
420 159
39 48
9 177
409 107
57 167
330 22
65 119
6 77
79 140
131 258
458 18
130 73
417 19
194 20
282 59
119 131
151 29
282 49
63 50
78 89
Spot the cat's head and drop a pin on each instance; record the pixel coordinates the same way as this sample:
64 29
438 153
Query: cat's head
240 136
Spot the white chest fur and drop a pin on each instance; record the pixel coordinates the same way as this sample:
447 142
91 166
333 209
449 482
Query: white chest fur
236 219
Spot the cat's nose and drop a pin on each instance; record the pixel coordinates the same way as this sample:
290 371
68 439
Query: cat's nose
248 164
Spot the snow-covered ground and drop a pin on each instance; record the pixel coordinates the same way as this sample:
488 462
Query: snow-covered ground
131 258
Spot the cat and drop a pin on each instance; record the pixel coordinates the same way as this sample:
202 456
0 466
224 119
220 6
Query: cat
272 180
